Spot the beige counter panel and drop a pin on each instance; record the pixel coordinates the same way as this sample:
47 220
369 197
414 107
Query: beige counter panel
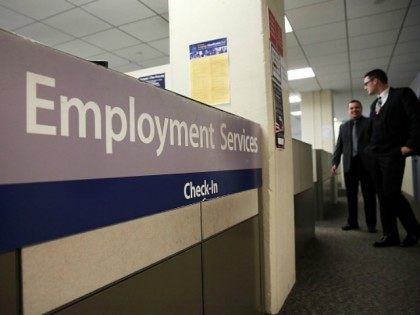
59 271
221 213
302 166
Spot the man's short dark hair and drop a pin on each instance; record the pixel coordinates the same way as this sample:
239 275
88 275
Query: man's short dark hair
356 101
378 74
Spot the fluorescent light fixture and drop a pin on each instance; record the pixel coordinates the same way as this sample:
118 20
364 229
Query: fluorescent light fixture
296 113
287 27
301 73
294 98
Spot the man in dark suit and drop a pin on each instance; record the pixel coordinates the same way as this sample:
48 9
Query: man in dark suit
351 142
395 134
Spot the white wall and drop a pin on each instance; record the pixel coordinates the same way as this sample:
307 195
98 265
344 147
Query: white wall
245 25
341 101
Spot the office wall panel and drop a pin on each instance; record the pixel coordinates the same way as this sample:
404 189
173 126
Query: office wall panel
9 283
231 271
59 271
222 213
305 215
171 287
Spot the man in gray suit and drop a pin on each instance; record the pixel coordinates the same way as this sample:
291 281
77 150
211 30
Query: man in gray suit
351 142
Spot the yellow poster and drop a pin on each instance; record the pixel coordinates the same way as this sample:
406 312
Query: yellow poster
209 72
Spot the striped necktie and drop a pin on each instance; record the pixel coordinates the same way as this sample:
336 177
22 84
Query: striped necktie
378 105
354 137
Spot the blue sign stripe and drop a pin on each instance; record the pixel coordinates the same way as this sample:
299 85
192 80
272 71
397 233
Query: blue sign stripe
36 212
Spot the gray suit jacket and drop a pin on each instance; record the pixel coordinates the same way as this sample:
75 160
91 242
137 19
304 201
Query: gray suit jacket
344 145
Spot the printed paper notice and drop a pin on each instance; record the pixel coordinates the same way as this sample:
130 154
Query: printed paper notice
209 72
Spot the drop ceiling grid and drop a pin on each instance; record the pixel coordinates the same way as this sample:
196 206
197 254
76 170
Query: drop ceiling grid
71 27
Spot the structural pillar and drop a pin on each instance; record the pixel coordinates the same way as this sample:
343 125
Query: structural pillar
245 24
317 119
318 129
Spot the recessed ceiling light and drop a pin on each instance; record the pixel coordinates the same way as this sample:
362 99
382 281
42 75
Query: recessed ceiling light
294 98
287 26
302 73
296 113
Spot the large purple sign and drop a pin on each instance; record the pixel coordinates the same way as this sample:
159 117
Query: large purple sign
83 146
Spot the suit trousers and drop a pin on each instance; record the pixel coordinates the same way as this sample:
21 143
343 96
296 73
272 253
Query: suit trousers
358 174
387 172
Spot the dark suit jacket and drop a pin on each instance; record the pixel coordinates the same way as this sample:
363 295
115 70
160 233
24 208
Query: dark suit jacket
397 124
344 145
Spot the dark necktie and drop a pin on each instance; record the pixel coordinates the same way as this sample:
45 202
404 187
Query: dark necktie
354 138
378 105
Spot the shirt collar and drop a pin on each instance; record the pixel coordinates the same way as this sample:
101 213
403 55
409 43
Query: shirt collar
384 94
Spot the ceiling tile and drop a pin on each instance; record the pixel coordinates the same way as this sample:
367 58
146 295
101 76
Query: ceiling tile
359 68
111 39
77 23
399 78
39 9
159 6
165 16
295 53
296 64
373 40
339 85
371 53
113 60
413 16
80 2
321 33
155 62
148 29
410 33
405 58
304 85
330 78
329 60
162 45
291 40
331 69
293 4
10 20
325 48
408 67
119 12
407 47
44 34
376 23
317 14
79 48
139 53
360 8
128 67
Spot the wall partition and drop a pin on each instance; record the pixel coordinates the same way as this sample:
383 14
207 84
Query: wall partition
118 195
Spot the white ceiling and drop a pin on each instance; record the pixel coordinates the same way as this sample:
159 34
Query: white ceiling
339 39
343 39
129 34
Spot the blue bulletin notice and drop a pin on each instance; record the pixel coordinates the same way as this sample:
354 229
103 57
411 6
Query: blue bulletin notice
209 48
155 79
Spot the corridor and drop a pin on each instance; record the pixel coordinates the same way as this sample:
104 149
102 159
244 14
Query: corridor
341 273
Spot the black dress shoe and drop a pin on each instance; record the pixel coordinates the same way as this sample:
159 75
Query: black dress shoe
372 229
386 241
410 240
348 227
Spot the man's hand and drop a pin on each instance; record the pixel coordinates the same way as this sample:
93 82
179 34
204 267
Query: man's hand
333 168
406 150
